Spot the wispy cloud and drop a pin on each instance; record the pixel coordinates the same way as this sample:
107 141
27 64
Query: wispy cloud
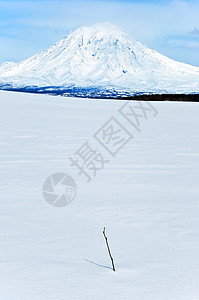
184 43
195 32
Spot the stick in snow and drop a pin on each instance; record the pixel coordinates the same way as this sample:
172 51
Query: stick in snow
109 251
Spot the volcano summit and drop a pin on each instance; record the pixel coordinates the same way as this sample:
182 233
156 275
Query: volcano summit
100 61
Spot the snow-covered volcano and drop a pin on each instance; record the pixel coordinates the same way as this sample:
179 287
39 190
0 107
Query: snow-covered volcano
102 56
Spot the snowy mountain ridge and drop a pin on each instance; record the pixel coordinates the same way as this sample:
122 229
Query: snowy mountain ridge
101 56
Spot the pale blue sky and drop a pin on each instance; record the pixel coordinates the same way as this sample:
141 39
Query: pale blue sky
28 27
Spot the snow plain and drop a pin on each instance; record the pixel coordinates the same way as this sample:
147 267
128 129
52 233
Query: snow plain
147 197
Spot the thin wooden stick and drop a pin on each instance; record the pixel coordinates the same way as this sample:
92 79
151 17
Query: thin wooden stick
109 251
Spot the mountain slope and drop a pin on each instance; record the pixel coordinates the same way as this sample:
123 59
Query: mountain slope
101 56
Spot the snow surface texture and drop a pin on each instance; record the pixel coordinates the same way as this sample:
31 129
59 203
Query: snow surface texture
101 56
147 197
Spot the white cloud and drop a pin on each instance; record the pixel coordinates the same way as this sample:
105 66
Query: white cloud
195 32
184 43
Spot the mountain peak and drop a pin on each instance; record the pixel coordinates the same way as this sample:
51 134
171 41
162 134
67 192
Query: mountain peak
98 32
102 55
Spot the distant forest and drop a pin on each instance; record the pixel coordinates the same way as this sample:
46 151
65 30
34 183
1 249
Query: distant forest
165 97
